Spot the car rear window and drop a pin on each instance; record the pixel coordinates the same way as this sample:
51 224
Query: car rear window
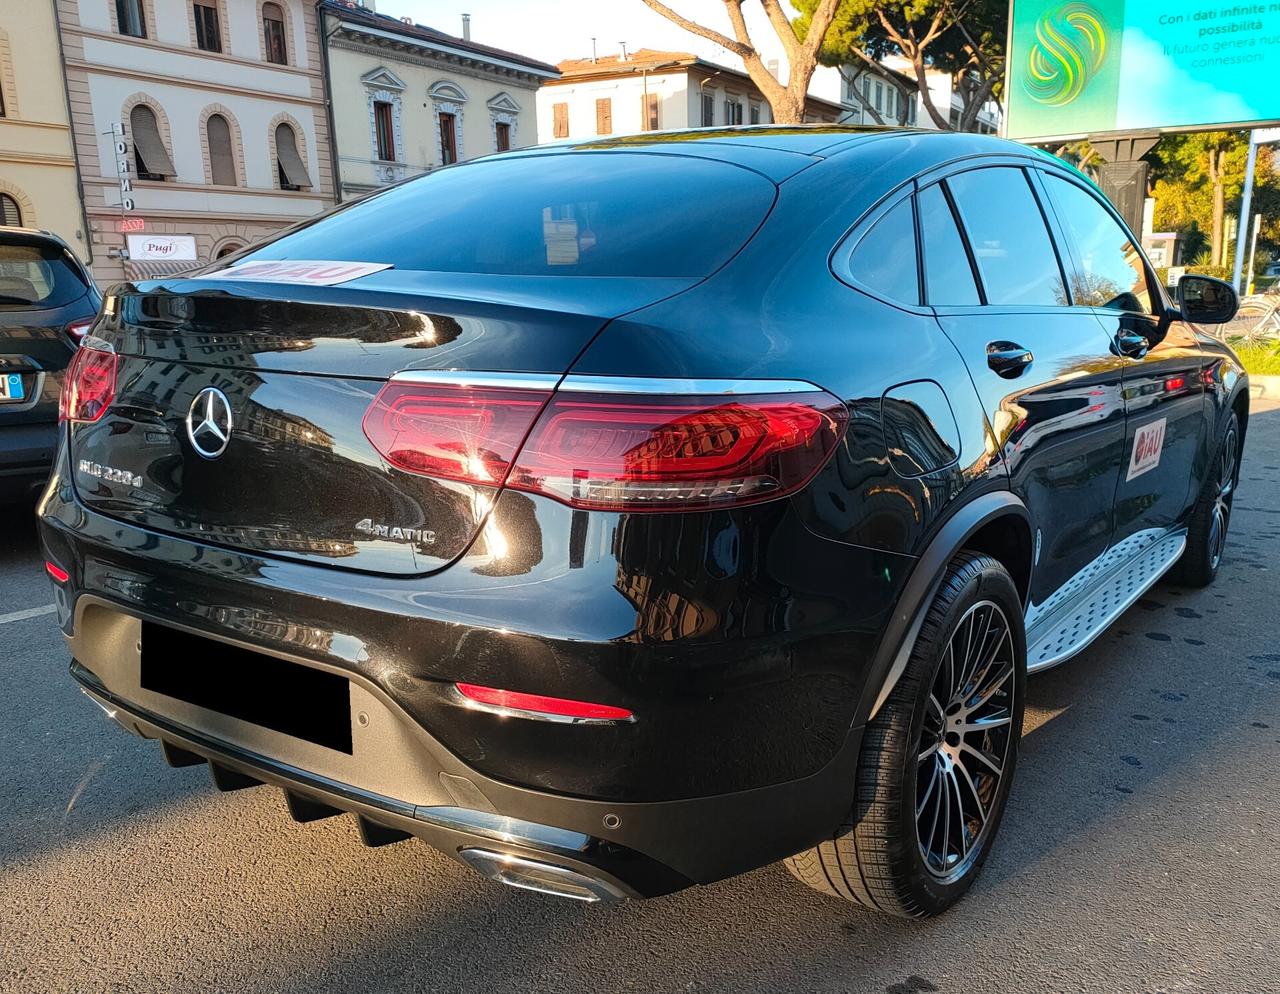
572 214
37 276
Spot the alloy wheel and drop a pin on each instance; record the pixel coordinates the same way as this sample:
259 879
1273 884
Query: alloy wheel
1221 515
965 741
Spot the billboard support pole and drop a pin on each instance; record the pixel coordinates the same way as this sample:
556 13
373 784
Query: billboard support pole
1123 175
1246 203
1253 251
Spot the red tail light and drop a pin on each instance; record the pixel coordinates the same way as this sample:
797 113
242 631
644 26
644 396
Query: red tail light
78 329
89 386
57 572
451 432
592 447
537 705
641 452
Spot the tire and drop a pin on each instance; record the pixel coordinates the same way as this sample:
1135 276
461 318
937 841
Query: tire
1211 516
877 858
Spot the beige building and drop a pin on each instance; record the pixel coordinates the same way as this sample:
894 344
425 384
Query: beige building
649 90
408 98
200 126
37 169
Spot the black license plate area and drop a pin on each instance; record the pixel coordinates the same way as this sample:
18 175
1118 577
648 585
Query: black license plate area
306 703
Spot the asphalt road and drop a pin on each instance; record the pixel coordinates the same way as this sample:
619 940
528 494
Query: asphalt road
1141 851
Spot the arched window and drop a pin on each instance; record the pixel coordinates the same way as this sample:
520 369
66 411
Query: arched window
289 166
151 157
222 160
10 212
273 34
227 249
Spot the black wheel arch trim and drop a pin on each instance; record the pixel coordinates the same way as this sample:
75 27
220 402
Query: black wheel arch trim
903 628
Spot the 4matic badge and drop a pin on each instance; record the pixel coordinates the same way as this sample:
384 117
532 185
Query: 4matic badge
395 533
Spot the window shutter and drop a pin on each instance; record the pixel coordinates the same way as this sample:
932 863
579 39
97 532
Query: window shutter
560 115
604 116
648 112
222 160
147 143
10 213
295 173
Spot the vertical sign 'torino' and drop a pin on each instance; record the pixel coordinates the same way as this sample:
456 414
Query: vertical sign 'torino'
120 144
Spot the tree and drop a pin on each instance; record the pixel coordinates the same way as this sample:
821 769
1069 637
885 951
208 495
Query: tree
964 38
1199 177
786 101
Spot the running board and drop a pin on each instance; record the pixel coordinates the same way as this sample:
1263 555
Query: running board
1071 626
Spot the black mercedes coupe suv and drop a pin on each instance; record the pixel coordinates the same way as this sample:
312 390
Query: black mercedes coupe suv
47 302
624 515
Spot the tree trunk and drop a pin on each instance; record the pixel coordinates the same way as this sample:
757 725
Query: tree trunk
788 108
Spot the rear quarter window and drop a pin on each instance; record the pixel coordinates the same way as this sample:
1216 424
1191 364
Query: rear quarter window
572 214
884 260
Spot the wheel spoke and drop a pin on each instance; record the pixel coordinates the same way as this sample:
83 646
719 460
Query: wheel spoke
933 827
928 793
931 751
988 722
984 688
989 761
977 653
946 823
962 829
973 789
992 686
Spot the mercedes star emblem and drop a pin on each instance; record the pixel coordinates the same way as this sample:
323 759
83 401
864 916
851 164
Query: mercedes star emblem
209 422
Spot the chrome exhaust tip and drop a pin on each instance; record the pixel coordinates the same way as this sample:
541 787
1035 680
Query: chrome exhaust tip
544 878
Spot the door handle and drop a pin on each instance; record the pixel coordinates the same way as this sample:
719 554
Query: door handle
1008 359
1131 344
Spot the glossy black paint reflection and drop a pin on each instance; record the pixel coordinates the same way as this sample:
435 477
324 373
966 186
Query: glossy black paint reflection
743 640
704 625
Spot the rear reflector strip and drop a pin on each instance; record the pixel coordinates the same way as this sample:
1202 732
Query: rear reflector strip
57 572
539 706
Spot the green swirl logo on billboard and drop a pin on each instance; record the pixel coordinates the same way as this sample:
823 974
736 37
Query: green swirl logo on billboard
1071 43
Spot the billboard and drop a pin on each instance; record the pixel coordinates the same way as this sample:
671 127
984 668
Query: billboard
1080 67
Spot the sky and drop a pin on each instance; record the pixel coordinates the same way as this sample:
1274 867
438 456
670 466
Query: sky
554 30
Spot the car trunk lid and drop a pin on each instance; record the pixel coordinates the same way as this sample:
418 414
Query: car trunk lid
298 478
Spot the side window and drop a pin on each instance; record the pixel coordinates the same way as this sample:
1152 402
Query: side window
1008 236
884 261
948 277
1112 273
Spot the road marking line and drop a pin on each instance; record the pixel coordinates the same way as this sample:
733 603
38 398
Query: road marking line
32 612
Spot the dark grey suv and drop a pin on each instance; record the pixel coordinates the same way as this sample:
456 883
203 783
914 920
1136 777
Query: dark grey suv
47 302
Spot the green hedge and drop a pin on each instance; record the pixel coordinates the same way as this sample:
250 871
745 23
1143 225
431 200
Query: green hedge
1219 272
1262 359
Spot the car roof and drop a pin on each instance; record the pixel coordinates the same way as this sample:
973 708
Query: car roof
753 144
30 236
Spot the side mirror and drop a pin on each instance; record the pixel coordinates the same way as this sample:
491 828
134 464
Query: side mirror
1205 300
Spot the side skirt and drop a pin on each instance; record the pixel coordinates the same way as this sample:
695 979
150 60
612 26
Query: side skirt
1087 604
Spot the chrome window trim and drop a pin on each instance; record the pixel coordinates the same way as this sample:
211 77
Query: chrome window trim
478 378
581 383
589 383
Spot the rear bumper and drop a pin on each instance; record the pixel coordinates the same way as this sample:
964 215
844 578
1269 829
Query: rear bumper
26 457
745 745
613 871
399 781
